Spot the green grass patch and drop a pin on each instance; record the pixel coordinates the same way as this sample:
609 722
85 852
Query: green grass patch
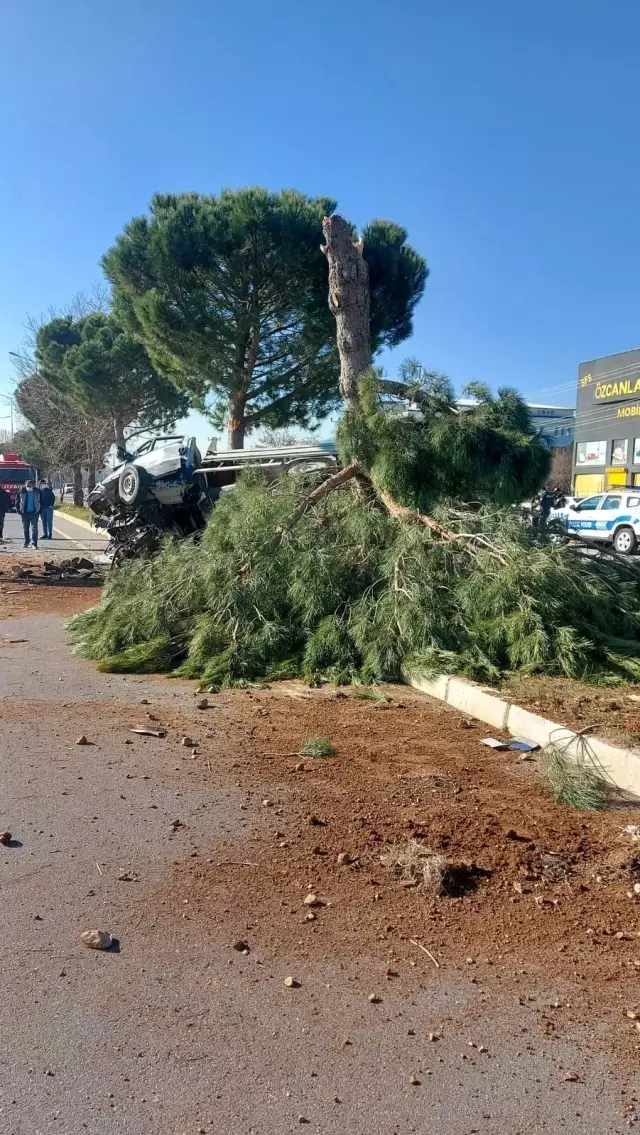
73 510
317 747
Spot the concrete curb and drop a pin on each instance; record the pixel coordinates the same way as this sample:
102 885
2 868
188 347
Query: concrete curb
59 514
621 765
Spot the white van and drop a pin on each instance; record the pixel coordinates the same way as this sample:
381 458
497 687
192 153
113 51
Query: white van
612 517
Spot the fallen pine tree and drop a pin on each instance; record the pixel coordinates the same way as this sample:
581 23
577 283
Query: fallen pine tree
380 570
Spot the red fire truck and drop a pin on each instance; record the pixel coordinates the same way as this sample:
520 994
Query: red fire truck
14 473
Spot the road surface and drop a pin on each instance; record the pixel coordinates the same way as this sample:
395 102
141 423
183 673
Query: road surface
69 538
178 1033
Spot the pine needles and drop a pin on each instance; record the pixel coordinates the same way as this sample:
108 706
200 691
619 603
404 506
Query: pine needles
317 747
350 594
575 781
418 866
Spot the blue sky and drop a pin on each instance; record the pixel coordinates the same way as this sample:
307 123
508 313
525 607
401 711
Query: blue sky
504 136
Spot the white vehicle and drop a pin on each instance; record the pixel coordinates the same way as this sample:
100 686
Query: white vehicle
612 518
68 489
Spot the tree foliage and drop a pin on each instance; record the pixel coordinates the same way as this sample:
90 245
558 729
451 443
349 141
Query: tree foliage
99 367
229 296
348 589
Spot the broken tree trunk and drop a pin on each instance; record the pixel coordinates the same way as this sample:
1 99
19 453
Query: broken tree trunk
349 302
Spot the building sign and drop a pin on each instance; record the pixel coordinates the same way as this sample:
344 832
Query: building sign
605 390
591 453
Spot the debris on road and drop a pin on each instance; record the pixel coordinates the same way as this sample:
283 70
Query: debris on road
128 876
493 743
97 939
145 731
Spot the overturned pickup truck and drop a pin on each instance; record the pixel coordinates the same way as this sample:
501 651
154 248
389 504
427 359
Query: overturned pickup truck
166 486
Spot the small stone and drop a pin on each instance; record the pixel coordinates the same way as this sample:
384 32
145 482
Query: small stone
241 946
203 703
374 998
434 1036
310 916
344 859
303 1119
82 740
415 1081
636 888
127 876
144 701
622 937
267 803
572 1077
311 900
291 982
299 767
175 824
631 1014
5 838
97 939
188 743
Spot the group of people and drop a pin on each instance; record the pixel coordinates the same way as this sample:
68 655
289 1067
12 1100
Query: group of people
35 503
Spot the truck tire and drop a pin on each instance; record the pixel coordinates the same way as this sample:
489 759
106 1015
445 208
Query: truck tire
133 484
625 541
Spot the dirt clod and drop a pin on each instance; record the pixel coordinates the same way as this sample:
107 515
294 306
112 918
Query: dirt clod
97 939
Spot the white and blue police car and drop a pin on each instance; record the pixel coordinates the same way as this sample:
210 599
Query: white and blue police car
612 518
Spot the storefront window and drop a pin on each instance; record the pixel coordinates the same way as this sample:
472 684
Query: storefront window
592 452
619 452
636 451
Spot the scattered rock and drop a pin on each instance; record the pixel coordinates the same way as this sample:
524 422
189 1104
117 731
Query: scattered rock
267 803
311 917
623 937
415 1081
374 998
5 838
97 939
188 743
344 859
299 767
241 946
572 1077
311 900
434 1036
127 876
175 824
303 1119
316 822
631 1014
17 572
82 740
291 983
203 703
144 701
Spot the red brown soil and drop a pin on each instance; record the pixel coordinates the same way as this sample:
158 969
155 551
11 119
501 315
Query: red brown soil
547 890
547 886
615 712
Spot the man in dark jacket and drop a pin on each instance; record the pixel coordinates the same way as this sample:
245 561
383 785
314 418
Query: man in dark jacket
47 501
28 505
5 506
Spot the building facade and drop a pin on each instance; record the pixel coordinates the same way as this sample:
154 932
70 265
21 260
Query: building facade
554 424
607 445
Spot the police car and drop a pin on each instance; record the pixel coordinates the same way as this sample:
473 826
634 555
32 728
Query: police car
612 517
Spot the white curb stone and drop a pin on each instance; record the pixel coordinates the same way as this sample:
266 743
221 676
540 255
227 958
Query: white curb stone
621 765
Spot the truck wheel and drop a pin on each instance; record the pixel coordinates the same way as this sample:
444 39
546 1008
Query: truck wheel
625 541
133 484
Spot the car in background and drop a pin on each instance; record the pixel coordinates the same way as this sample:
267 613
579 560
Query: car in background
610 517
68 490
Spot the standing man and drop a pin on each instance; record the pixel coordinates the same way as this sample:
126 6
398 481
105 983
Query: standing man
5 506
47 501
28 505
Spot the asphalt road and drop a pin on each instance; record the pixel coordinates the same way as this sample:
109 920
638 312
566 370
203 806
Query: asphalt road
177 1033
69 538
